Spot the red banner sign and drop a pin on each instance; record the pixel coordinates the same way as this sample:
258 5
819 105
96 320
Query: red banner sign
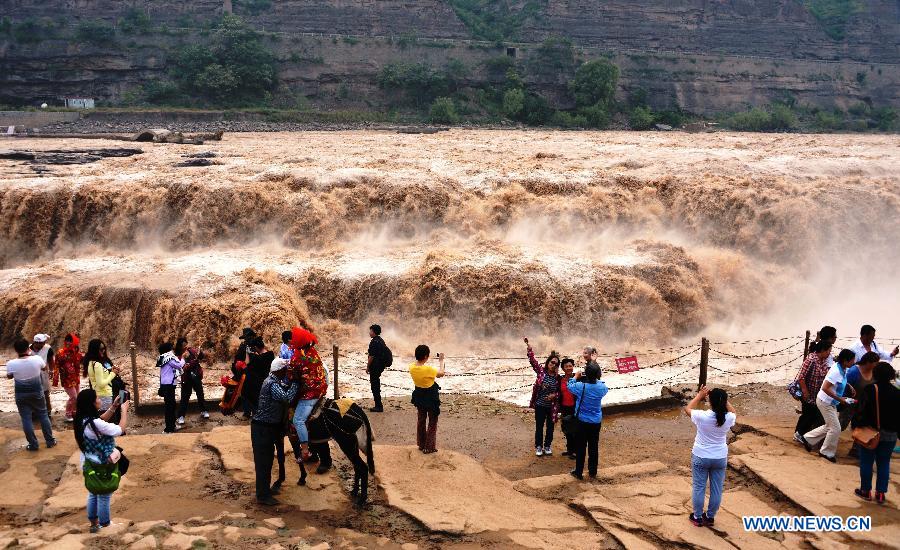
626 364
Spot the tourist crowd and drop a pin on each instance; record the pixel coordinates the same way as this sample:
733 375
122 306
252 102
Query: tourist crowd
855 388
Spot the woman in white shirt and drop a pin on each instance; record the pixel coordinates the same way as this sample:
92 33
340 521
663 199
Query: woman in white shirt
709 457
95 436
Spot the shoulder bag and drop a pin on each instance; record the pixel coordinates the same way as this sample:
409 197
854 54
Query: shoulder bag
866 436
570 424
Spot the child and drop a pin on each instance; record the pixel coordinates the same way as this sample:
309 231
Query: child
426 397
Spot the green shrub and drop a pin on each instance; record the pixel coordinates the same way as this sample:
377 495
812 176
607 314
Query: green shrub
884 118
833 15
829 120
565 119
495 21
95 32
673 118
135 21
498 66
595 83
234 68
781 117
420 82
351 40
443 111
554 57
537 110
597 115
160 91
641 118
6 25
514 103
754 120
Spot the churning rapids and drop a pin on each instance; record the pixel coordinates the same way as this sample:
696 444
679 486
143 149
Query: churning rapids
464 239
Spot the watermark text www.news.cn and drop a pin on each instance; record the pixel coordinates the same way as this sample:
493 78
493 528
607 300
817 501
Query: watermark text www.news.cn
807 523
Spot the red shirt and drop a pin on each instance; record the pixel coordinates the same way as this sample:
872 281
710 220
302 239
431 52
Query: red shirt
306 366
568 400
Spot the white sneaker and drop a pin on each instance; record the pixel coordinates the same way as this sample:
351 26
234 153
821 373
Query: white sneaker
180 420
797 437
204 415
548 451
538 451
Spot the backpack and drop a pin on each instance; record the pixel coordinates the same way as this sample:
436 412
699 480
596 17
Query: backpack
388 358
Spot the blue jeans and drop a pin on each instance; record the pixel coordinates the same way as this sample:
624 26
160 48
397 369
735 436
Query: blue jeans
881 456
301 413
98 508
29 402
714 470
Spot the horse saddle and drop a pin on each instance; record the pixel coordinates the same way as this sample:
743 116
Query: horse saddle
341 406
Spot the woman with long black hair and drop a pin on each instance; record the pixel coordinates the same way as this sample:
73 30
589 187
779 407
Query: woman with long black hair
879 409
709 457
544 400
95 435
100 371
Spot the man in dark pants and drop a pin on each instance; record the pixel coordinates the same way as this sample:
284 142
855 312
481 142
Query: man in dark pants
379 359
191 378
268 425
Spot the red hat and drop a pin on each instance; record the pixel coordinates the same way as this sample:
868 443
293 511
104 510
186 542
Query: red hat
300 338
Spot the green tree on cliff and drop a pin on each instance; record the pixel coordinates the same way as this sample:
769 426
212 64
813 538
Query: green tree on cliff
234 68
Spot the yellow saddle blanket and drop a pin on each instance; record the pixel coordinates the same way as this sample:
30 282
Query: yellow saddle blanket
343 405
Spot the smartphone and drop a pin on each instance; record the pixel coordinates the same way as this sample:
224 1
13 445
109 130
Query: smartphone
123 396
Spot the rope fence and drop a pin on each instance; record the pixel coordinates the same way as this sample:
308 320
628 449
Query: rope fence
475 375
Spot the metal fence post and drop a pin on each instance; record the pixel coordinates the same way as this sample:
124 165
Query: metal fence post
337 393
136 390
704 361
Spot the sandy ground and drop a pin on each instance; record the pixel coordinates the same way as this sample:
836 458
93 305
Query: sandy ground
200 478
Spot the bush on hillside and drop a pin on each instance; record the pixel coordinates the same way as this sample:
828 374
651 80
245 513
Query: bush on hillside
641 118
443 111
513 102
95 32
595 83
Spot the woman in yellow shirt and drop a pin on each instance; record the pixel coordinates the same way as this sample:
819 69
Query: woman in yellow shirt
99 371
426 397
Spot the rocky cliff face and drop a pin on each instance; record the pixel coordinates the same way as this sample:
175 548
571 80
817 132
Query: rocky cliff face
703 55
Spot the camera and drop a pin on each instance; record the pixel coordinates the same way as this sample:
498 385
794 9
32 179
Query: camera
124 396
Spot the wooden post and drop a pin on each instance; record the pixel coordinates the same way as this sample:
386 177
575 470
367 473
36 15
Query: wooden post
704 361
806 345
135 388
337 393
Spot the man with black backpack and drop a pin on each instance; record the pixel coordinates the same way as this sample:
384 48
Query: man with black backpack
380 358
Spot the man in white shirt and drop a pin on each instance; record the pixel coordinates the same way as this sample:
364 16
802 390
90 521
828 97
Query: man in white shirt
867 343
26 371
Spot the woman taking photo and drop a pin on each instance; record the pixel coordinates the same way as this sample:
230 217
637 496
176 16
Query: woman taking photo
827 400
95 436
709 456
100 372
589 392
544 400
879 409
811 375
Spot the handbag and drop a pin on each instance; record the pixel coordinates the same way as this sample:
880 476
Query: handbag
570 424
101 479
866 436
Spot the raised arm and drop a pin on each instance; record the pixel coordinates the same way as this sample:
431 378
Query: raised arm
534 363
701 395
441 371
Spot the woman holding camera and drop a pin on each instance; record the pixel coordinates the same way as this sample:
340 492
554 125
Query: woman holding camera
709 456
589 391
95 436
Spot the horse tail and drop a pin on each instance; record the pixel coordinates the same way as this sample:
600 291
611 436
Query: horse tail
370 456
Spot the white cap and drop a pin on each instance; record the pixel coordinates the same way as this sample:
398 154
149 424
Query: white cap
279 364
41 338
